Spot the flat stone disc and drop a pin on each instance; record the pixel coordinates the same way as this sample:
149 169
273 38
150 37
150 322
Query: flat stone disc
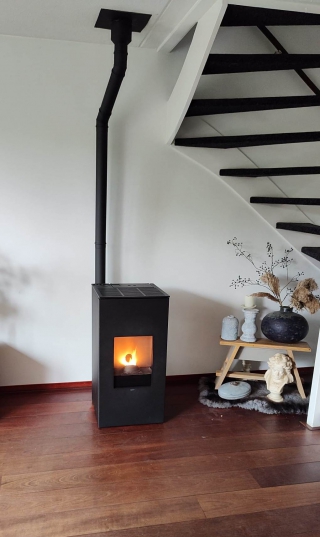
234 390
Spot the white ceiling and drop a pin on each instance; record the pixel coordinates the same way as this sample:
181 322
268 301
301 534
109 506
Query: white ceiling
74 20
70 20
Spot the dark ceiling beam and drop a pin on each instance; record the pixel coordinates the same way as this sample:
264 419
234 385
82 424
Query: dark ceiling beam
255 16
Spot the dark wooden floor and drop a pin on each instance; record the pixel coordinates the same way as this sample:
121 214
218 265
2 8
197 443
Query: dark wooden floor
203 473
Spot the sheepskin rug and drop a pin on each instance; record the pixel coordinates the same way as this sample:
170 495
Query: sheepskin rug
257 400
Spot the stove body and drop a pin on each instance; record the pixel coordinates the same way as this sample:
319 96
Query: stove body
130 326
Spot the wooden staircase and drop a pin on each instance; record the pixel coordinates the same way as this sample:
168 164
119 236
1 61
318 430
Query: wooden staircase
247 63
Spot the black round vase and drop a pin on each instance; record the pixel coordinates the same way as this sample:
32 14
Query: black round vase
284 326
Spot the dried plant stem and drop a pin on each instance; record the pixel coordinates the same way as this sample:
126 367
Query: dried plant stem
301 295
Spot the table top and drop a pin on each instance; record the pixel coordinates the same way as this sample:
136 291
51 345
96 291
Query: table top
263 343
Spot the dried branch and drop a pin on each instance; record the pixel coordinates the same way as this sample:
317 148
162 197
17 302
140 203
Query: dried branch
301 296
266 295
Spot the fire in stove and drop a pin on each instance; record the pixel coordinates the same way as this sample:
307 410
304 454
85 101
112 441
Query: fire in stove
130 360
133 356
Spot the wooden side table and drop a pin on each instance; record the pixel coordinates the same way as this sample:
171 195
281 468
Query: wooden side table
235 350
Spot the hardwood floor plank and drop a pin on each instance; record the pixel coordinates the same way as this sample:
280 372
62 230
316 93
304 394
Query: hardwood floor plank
282 425
102 455
173 529
2 458
201 530
130 515
126 449
193 528
89 428
36 409
45 421
112 473
98 441
247 501
75 477
277 523
63 477
291 455
141 490
290 474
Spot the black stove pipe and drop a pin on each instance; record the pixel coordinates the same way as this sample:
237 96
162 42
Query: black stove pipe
121 32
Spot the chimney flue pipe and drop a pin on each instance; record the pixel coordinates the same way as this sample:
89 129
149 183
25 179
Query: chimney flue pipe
121 32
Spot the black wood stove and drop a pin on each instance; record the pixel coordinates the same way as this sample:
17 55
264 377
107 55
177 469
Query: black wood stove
130 324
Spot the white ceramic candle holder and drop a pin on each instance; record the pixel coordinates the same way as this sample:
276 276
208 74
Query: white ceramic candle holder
249 326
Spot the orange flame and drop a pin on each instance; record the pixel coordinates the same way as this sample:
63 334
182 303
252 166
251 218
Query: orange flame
129 358
133 351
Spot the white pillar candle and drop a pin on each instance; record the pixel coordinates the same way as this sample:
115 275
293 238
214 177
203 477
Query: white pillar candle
130 369
248 301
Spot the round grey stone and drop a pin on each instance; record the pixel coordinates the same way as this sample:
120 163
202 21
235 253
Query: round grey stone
234 390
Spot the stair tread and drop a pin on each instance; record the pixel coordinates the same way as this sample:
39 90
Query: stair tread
303 227
255 16
226 142
265 172
285 201
311 251
249 63
200 107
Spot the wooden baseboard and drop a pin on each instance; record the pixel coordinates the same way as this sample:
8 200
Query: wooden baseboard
186 379
307 426
172 380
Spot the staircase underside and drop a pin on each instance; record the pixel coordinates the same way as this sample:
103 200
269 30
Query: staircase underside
281 60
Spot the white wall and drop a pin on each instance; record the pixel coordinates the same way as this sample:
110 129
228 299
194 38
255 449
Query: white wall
169 219
313 418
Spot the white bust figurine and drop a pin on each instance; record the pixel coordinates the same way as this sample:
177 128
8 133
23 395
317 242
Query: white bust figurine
278 375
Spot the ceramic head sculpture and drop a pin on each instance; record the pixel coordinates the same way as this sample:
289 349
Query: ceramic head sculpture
278 374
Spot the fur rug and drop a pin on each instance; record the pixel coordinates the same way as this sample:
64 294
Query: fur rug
257 400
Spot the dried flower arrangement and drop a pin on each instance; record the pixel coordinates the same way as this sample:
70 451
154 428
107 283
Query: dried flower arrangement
302 296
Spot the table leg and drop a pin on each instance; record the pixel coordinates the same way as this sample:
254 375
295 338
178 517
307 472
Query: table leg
232 353
296 375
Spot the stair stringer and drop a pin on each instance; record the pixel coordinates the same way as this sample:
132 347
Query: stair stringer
215 159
